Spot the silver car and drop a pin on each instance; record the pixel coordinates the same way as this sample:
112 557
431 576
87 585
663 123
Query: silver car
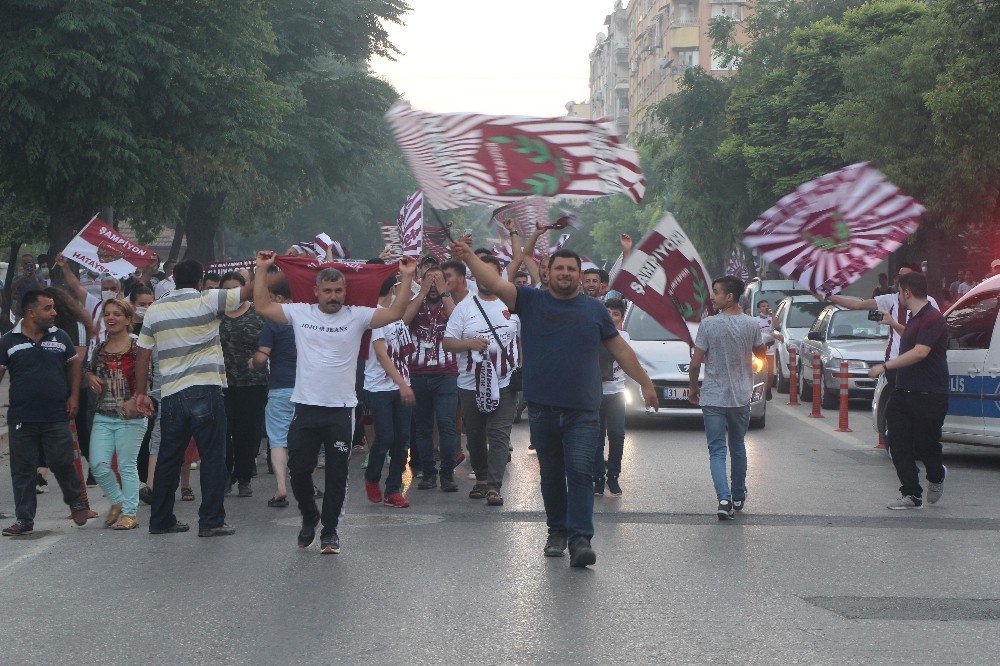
793 319
842 335
667 360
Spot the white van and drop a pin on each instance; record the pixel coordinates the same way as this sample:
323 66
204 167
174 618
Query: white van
974 367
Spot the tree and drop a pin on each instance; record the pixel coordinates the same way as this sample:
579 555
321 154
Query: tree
98 98
335 124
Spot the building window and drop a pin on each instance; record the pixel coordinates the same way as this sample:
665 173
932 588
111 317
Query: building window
717 64
732 10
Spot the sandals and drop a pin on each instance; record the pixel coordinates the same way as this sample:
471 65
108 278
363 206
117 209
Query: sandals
127 523
493 498
113 513
187 495
478 491
277 503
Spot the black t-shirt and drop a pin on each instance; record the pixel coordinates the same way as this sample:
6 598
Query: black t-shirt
38 383
930 375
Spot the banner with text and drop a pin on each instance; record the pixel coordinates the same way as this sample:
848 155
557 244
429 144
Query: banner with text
100 248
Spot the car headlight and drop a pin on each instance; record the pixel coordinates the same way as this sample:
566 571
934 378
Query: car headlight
628 396
857 365
758 364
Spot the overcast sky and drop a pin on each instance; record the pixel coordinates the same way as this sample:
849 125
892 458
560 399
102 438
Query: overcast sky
525 57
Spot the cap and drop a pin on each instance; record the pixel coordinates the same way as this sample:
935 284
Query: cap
995 264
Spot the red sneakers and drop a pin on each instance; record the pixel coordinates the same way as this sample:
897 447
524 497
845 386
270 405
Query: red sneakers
396 501
373 491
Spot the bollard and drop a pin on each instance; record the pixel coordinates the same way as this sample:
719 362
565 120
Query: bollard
817 411
79 473
843 426
793 378
881 442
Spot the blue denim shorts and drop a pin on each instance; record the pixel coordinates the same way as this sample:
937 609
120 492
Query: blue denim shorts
278 416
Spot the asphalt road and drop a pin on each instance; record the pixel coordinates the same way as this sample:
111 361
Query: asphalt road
815 571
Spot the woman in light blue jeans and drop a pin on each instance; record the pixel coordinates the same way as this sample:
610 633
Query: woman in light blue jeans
118 425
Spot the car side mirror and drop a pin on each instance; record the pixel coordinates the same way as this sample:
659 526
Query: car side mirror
816 336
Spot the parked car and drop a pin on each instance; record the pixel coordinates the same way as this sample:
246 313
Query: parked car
974 369
793 318
772 291
667 360
842 335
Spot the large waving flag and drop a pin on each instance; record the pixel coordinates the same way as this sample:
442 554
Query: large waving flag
665 277
529 214
830 231
461 159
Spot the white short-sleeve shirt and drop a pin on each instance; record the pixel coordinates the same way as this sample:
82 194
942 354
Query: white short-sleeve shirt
466 322
327 347
399 346
890 303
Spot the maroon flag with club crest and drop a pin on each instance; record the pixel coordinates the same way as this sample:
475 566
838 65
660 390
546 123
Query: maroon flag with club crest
102 249
665 277
830 231
461 159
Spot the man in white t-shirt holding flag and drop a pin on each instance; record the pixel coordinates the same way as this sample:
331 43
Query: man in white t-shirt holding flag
328 337
482 333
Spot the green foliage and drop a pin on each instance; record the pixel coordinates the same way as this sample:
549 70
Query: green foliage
910 86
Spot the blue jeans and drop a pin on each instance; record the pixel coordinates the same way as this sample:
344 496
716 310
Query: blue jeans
199 412
392 435
111 435
437 395
566 443
612 427
734 421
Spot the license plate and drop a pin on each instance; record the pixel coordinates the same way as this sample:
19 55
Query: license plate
672 393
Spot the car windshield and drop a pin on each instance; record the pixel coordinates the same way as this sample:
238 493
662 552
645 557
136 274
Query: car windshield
854 325
802 315
640 326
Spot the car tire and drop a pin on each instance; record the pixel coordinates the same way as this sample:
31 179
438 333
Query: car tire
830 399
758 424
783 385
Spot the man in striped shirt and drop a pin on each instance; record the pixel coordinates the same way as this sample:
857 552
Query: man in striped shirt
183 327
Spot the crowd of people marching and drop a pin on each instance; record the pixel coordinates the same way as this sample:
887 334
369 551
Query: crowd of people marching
167 369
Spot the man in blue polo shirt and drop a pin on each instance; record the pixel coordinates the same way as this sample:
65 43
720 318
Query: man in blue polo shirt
45 375
562 333
920 400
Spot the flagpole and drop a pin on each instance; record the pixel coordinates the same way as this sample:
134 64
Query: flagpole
444 227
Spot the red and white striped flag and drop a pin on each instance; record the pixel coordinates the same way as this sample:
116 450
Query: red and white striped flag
411 225
529 214
503 252
390 234
323 242
461 159
435 243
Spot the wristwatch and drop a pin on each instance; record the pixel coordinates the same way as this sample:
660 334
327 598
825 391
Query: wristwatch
515 232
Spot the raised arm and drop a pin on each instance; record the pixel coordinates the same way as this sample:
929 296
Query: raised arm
72 281
517 254
853 303
415 303
396 311
629 363
486 275
262 302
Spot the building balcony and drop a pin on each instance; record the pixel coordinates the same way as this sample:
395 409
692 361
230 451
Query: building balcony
685 37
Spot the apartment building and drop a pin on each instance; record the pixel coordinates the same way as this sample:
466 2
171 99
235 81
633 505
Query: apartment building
609 73
665 37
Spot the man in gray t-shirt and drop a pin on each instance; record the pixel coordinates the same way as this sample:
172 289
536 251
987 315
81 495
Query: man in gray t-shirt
726 344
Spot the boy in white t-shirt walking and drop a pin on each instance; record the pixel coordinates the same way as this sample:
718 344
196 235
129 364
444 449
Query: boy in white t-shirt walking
391 400
612 427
